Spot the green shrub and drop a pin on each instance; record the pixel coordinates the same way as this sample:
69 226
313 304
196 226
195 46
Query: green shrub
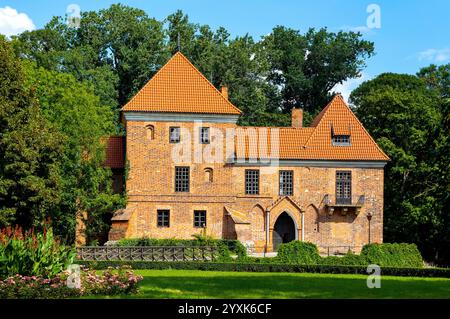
31 254
393 255
298 252
269 267
235 247
110 282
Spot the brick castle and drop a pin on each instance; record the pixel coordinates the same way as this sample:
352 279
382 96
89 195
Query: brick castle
191 169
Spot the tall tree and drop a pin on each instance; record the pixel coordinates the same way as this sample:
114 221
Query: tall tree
30 150
73 108
307 66
404 114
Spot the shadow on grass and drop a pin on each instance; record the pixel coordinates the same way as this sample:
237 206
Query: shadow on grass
196 284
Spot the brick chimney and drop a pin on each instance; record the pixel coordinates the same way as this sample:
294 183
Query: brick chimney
297 117
224 91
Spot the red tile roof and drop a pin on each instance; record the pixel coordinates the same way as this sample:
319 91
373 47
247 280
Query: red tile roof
115 152
315 142
179 87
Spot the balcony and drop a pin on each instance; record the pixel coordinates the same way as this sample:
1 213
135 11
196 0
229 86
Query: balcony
344 205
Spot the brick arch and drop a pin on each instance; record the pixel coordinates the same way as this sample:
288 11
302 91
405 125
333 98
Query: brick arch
258 221
288 205
312 227
312 215
150 132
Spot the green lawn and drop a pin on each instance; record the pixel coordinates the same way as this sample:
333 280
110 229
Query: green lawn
213 284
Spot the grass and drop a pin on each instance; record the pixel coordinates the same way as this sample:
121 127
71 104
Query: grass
213 284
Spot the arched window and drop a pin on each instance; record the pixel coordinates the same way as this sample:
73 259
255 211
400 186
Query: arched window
150 132
209 175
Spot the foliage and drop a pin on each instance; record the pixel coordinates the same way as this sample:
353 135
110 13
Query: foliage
393 255
77 112
269 267
308 66
298 252
349 259
113 281
408 116
30 149
36 287
32 254
120 48
235 247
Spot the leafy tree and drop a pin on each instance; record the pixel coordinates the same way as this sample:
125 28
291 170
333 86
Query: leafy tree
77 112
30 150
404 114
308 66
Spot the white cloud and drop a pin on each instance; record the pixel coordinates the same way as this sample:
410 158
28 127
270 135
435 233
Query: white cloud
348 86
13 22
435 55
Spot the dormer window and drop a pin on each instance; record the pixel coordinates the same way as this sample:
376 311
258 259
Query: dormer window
341 140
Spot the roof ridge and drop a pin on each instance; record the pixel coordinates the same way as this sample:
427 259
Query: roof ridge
325 114
202 78
149 81
207 81
319 118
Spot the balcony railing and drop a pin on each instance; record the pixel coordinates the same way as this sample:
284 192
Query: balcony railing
344 203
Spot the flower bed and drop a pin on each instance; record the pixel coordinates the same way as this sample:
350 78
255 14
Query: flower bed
113 281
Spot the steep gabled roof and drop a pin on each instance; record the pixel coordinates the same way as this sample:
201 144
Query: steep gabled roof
315 142
178 87
337 118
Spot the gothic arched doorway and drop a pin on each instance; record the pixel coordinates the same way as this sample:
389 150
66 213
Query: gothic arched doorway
284 230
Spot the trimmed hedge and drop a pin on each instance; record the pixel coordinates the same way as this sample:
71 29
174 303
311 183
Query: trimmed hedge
393 255
347 260
398 255
269 267
298 252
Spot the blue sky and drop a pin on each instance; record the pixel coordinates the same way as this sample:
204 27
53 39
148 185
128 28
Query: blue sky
412 34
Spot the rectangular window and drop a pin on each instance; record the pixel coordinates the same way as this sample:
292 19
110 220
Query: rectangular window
181 179
204 135
341 140
200 218
343 187
286 183
174 134
251 181
163 217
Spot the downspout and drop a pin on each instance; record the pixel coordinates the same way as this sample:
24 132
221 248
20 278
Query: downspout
303 226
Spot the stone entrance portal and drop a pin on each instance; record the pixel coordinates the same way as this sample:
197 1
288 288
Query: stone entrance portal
284 230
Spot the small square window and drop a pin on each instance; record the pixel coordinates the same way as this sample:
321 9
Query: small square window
341 140
200 218
204 135
163 217
174 134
